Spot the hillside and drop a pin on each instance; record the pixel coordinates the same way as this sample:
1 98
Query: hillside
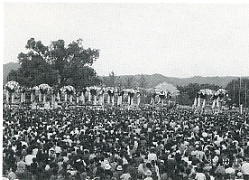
151 80
155 79
220 81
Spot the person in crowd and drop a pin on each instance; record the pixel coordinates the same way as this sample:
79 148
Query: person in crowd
119 143
245 169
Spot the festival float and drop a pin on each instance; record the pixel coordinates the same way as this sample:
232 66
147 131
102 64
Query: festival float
11 88
68 91
44 90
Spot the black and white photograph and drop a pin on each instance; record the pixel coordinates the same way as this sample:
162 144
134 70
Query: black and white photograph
125 91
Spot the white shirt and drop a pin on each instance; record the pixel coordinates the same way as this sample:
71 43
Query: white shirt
152 156
200 176
29 159
148 178
245 168
125 176
104 163
230 170
57 149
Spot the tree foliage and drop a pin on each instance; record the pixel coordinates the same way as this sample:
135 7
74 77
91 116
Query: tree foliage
238 91
129 82
110 81
142 82
56 64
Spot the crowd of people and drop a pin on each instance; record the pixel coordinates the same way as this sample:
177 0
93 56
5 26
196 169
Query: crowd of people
124 144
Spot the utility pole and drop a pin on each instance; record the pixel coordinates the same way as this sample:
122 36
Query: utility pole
233 91
245 92
239 89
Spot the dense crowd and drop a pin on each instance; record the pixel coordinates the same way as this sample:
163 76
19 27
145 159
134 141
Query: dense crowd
122 144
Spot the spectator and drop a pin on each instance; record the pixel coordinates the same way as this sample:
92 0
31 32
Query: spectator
245 169
113 143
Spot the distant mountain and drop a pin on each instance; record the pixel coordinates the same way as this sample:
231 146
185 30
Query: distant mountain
155 79
220 81
7 68
151 80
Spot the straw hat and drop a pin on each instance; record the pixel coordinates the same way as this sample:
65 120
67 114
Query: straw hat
119 168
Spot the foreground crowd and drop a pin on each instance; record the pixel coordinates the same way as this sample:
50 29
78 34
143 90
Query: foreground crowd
118 144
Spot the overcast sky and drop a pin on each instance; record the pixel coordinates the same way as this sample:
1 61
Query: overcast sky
179 40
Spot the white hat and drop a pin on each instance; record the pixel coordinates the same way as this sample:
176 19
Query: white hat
204 134
51 149
107 167
119 168
236 142
239 174
193 153
217 152
47 167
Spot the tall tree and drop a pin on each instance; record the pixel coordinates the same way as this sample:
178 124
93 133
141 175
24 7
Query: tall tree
129 82
46 64
73 63
34 68
142 82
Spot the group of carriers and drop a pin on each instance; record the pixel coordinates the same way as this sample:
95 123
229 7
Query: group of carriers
95 95
210 99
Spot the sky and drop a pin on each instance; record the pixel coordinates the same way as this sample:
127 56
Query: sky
175 40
